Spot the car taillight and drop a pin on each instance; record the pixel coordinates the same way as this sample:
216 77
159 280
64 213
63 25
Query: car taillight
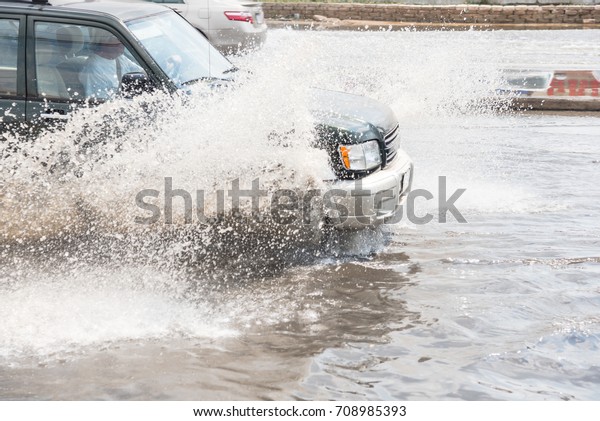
240 16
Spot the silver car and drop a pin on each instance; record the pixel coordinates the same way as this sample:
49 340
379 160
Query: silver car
230 25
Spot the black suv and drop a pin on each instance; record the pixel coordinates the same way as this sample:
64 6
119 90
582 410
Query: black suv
56 56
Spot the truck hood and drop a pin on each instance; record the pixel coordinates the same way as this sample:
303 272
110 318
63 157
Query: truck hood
351 112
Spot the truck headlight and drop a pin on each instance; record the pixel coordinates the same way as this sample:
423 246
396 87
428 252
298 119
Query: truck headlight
360 157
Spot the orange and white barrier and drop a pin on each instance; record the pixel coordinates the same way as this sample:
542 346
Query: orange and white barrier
559 83
574 83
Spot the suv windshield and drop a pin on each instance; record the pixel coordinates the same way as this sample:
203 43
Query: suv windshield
179 49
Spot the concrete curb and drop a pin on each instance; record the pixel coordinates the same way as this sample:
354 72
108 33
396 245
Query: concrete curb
556 104
372 25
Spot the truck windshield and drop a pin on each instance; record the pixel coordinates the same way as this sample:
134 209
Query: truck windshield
182 52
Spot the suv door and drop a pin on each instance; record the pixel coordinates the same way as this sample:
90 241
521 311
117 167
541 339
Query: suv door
12 70
48 99
65 68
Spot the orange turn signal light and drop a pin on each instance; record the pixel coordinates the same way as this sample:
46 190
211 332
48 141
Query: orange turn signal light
345 159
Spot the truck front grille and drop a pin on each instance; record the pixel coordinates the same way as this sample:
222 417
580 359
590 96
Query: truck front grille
391 145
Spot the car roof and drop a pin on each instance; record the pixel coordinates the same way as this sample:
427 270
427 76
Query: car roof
123 10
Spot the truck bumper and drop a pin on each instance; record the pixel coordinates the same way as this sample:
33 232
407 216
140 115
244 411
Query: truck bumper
372 200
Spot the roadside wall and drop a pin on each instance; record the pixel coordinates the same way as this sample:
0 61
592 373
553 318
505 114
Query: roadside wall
503 2
523 14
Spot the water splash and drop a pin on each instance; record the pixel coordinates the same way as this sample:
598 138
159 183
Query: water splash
68 241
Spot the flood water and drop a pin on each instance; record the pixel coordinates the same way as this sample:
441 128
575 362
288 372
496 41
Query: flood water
504 306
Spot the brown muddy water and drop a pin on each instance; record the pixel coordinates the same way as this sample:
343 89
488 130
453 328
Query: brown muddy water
504 306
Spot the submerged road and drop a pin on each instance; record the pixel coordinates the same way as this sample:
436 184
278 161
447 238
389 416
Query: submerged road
504 306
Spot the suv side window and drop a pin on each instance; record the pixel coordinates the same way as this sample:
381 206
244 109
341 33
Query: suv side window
79 61
9 43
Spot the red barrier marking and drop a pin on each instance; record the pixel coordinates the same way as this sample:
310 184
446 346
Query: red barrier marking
575 90
595 84
583 85
573 87
556 85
